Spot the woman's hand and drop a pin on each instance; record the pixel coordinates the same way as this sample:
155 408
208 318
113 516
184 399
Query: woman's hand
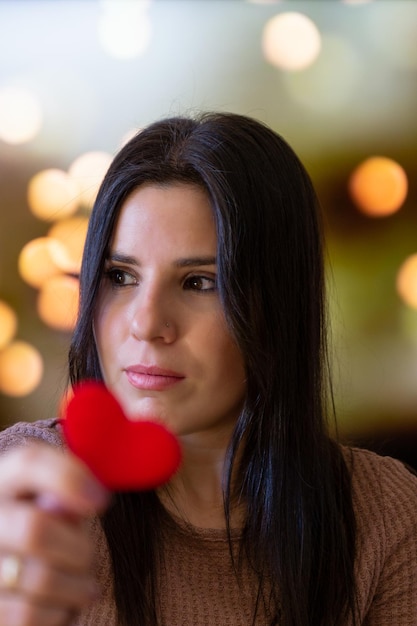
45 551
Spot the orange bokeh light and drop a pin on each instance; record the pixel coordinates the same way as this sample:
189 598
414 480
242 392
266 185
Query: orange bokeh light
378 186
71 233
40 259
52 195
8 324
58 302
407 281
21 369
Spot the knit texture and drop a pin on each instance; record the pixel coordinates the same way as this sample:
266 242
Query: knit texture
200 585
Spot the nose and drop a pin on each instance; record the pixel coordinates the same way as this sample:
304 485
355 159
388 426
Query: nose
152 316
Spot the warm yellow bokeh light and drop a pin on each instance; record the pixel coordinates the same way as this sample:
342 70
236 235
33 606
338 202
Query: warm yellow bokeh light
21 369
71 233
20 115
407 281
58 302
52 195
87 171
378 186
8 324
291 41
40 259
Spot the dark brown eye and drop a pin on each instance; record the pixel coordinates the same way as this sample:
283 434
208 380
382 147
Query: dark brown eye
120 278
200 283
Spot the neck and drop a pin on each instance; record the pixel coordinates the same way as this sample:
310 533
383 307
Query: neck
195 493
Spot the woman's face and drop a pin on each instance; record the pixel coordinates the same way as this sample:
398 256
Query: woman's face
164 347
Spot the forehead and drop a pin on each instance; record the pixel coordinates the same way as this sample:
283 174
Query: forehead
160 215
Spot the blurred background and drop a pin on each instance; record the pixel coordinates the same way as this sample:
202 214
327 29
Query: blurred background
338 79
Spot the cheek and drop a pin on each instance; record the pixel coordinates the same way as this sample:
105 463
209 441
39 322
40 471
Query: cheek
226 356
233 366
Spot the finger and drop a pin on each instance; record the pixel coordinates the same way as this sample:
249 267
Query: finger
48 586
36 469
27 530
16 610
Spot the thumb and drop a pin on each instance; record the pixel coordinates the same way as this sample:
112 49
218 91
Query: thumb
57 480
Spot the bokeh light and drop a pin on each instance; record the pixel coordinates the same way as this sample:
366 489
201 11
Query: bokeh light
20 115
124 28
21 369
88 171
407 281
40 259
291 41
52 194
71 233
8 324
378 186
58 302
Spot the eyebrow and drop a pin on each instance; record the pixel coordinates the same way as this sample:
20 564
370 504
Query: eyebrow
117 257
198 260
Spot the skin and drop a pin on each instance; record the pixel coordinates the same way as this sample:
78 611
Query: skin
40 515
159 307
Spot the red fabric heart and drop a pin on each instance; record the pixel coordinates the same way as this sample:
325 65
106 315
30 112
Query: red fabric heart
124 455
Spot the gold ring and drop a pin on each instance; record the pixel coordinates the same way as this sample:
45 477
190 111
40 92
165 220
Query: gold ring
10 569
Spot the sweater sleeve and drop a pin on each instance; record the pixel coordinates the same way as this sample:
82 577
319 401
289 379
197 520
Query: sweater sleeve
21 433
395 597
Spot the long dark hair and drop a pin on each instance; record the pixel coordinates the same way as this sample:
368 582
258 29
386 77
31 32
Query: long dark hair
300 526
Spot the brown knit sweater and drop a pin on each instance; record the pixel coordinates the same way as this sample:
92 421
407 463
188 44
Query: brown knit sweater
201 588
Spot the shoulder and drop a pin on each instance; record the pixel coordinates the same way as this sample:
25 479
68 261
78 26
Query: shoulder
381 482
48 431
384 494
380 476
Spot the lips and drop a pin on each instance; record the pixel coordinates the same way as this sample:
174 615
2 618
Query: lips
152 378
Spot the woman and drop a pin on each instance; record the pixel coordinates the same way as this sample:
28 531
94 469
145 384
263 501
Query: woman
202 304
